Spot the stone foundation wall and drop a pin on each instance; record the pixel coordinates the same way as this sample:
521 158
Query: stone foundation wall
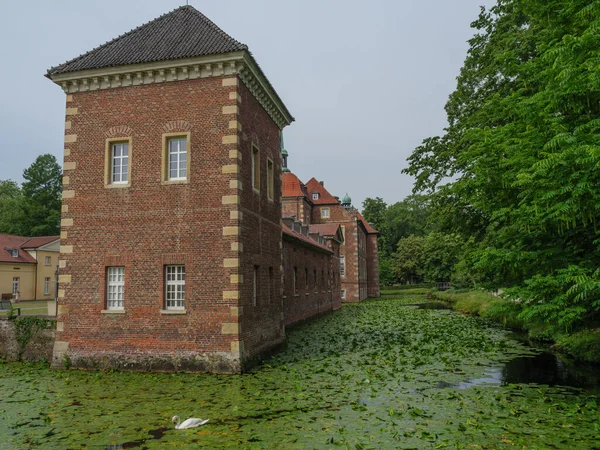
39 347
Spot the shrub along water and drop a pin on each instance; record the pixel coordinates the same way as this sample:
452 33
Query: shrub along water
583 345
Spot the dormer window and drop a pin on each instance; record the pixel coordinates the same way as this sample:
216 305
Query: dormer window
15 252
315 196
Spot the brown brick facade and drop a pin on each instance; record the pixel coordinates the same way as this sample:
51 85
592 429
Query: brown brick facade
311 278
208 224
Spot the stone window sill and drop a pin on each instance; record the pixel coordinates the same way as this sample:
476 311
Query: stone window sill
113 311
173 312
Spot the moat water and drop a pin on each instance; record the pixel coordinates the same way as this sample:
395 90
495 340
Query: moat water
380 374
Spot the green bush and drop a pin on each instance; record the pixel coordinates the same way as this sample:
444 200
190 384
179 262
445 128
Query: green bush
583 345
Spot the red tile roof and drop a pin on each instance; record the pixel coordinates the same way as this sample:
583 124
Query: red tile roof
325 198
40 241
288 232
9 242
368 227
291 186
326 229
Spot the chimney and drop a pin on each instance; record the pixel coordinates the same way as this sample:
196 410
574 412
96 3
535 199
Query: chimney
322 183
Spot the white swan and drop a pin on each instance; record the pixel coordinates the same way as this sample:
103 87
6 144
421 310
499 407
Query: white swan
188 423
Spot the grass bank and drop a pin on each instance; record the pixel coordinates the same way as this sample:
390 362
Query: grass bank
583 345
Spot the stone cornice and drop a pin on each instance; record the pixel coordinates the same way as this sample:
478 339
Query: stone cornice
227 64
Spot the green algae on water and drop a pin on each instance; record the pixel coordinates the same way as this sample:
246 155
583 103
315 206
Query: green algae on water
379 374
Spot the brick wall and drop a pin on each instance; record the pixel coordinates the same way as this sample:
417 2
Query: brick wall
261 320
149 224
373 266
317 284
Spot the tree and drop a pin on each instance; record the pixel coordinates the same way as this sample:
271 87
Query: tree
523 148
374 211
42 193
441 253
34 209
11 208
408 259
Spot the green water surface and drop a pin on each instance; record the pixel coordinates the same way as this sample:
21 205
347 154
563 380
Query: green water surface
374 375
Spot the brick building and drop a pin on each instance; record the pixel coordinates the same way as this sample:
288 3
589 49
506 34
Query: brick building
171 216
312 204
311 262
174 254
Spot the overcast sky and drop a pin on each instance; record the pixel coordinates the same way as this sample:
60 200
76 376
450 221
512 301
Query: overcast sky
365 80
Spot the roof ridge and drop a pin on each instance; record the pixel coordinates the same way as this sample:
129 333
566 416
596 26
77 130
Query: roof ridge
77 58
209 23
213 25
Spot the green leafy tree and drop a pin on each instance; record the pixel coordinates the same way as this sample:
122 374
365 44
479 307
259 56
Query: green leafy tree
12 214
441 253
409 259
523 150
33 209
42 194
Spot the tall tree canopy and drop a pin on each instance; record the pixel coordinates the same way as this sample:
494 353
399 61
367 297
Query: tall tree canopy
33 209
523 148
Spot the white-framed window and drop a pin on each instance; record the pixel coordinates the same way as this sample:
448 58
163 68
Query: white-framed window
255 169
315 196
342 266
343 294
15 253
119 163
175 287
115 287
325 213
47 260
255 286
47 286
15 286
177 158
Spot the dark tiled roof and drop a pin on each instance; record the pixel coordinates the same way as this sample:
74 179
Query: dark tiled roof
183 33
325 198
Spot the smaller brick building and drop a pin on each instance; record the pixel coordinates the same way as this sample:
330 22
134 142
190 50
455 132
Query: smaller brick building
312 205
311 269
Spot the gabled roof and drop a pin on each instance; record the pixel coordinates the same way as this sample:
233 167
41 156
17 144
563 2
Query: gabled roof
39 241
366 224
325 198
330 229
8 243
183 33
291 186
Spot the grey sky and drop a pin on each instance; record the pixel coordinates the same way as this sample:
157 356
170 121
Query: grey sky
366 81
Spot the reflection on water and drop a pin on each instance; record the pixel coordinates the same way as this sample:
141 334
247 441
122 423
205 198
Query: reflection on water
545 368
